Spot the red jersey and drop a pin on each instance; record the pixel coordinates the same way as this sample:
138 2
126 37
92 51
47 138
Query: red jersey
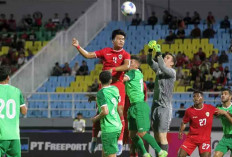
112 58
200 121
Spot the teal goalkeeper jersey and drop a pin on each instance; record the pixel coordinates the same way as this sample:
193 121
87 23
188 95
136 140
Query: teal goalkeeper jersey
134 87
227 127
109 96
11 99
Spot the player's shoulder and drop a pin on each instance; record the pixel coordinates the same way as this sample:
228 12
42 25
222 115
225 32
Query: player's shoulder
114 88
209 106
10 87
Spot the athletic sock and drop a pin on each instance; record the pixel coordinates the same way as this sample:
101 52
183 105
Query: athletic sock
164 147
152 142
139 144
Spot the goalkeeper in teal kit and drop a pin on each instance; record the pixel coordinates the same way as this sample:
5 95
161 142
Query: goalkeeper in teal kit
138 113
11 104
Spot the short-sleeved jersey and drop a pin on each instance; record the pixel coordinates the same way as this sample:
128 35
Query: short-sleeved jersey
11 99
200 121
109 96
134 87
112 58
227 127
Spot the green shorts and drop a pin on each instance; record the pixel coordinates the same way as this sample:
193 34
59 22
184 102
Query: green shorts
10 148
225 144
110 142
138 117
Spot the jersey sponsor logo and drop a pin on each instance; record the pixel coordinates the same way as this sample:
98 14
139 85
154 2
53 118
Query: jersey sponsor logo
195 117
120 56
207 114
108 54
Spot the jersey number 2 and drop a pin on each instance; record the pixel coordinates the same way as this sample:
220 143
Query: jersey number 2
202 121
10 104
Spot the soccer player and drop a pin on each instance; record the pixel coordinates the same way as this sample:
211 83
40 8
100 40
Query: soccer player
200 119
225 113
117 60
107 100
138 113
161 112
11 104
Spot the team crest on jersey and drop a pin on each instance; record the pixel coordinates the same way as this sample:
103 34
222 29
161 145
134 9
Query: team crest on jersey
120 56
207 114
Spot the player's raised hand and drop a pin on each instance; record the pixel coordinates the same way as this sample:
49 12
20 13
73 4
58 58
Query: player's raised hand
75 42
220 112
180 135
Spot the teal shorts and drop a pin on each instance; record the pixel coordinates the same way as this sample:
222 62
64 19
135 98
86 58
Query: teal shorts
110 142
224 144
10 148
138 117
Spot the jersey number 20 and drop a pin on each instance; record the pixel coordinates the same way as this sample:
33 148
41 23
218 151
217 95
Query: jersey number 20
10 105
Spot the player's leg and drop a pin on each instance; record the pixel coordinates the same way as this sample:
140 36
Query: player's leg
14 149
143 125
187 148
109 143
121 88
223 146
205 149
4 145
95 130
165 115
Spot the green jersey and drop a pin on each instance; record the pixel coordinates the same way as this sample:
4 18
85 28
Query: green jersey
134 87
11 99
227 127
109 96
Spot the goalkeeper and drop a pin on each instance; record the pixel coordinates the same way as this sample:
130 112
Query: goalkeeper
161 112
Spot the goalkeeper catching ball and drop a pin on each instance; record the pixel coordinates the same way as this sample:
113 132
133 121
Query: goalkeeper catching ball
161 112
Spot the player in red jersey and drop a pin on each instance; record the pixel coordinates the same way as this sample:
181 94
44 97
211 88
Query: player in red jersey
116 60
126 139
200 118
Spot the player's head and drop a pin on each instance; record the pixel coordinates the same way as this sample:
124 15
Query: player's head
105 77
79 115
135 62
118 38
4 74
170 59
198 97
226 95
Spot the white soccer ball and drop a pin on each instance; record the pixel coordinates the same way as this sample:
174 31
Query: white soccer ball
128 8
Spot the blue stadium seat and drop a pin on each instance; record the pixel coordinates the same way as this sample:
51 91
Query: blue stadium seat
67 104
79 105
66 113
55 113
44 114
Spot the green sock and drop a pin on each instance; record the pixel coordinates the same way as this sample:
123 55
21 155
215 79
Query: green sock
151 140
138 142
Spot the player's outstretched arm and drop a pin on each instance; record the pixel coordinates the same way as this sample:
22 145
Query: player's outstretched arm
103 113
152 46
182 128
82 51
126 78
23 109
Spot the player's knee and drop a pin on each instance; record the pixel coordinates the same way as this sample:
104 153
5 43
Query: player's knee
182 153
217 154
141 134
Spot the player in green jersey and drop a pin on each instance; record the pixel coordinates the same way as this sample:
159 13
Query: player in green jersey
138 113
11 104
107 100
225 113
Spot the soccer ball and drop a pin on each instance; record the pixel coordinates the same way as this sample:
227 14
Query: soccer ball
128 8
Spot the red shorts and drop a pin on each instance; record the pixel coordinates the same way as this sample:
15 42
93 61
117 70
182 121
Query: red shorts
190 145
121 87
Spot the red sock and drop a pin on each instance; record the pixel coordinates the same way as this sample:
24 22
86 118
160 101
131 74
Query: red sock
96 129
134 154
123 126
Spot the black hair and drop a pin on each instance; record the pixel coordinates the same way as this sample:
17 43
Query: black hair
197 91
105 77
136 58
4 73
118 32
226 89
79 114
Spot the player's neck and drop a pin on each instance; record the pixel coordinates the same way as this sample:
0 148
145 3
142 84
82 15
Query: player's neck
226 104
198 106
116 48
4 82
105 85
